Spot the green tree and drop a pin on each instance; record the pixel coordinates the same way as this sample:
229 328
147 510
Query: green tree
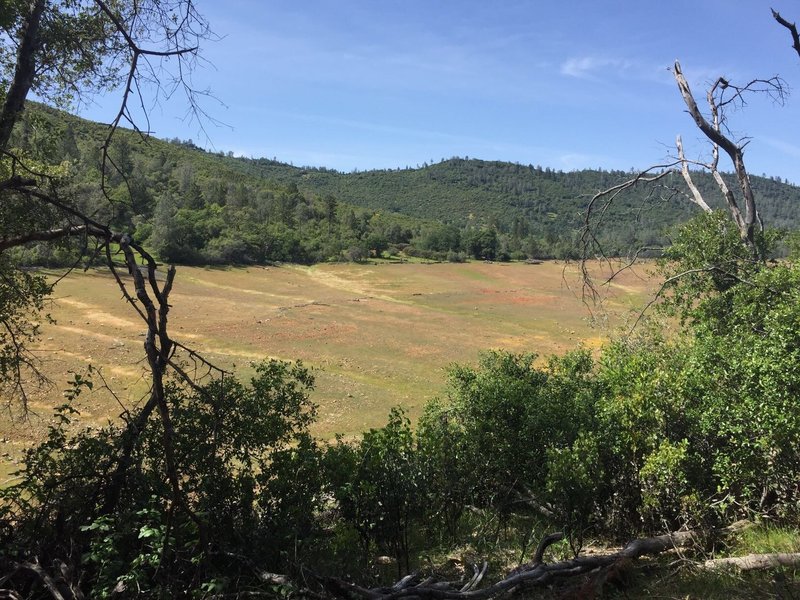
503 417
330 212
64 51
376 244
482 244
441 239
377 485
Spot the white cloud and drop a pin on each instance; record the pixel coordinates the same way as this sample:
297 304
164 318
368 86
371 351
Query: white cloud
597 68
590 67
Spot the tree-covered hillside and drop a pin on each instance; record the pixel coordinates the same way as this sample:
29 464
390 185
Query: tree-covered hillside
193 206
514 197
190 206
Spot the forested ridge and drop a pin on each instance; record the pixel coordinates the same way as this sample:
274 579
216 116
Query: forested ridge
197 207
193 207
462 190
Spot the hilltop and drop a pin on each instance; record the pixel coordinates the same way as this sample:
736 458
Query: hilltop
197 207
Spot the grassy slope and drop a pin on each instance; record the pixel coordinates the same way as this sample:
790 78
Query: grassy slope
380 335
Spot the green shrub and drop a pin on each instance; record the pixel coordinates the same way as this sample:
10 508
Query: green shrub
500 421
574 480
377 485
250 488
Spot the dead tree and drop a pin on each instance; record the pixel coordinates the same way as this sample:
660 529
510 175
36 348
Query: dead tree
535 574
792 30
721 94
738 199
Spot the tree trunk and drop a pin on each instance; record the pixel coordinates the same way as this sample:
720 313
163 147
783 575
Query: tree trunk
24 71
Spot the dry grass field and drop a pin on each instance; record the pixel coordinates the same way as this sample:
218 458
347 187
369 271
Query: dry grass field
377 335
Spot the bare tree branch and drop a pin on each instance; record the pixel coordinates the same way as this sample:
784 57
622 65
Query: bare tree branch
665 285
720 95
49 235
45 578
792 30
745 222
697 197
600 203
754 562
132 43
132 80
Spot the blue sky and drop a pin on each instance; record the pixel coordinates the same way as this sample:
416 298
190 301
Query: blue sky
567 85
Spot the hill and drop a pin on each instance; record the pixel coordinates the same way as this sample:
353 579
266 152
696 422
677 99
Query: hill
545 202
196 207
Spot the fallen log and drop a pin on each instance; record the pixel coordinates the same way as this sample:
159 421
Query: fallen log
534 574
45 578
754 562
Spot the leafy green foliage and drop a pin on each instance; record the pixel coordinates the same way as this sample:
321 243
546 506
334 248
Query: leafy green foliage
237 447
22 299
250 476
489 444
707 418
78 54
574 479
692 427
377 484
707 259
448 475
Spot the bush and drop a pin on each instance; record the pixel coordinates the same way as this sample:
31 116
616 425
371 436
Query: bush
456 257
377 485
574 480
355 254
503 418
249 476
449 478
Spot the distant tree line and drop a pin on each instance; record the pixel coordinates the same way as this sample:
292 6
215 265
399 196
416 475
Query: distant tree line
194 207
190 206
